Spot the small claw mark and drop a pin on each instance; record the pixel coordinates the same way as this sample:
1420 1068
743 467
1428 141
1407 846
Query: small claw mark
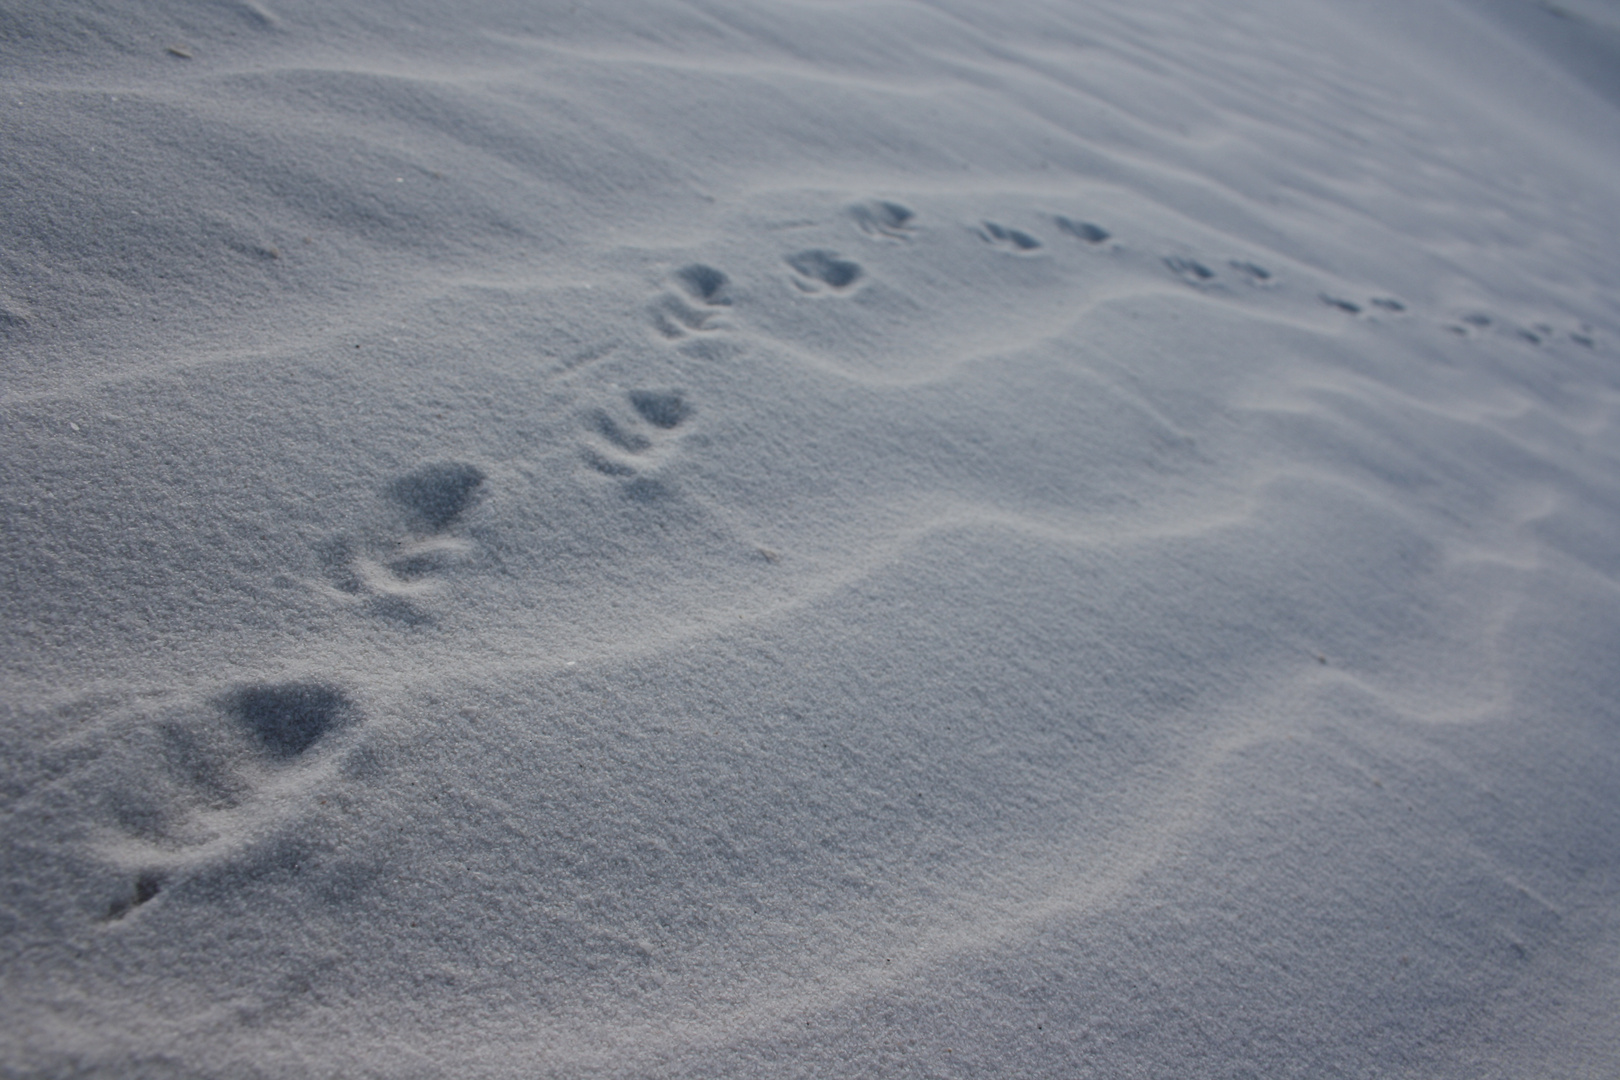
1584 340
1345 306
1083 230
147 886
438 493
1012 239
665 410
1253 271
289 718
1190 270
820 268
704 284
879 218
1387 303
1477 320
1527 335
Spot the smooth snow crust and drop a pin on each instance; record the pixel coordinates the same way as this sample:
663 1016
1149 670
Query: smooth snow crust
770 539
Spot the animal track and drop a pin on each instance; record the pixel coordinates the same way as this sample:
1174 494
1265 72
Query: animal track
287 719
1256 273
393 579
1191 271
695 302
619 447
1082 230
198 784
1350 307
819 269
629 441
1539 334
704 284
1013 240
438 494
146 888
884 219
665 410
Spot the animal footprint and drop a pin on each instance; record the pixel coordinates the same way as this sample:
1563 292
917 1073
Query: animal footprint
408 573
1082 230
818 270
1257 274
1191 271
1013 240
1350 307
699 294
394 579
626 446
204 783
288 719
439 493
884 219
665 410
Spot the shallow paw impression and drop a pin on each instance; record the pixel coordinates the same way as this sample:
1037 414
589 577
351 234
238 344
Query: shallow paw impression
692 306
439 493
622 447
287 719
884 219
1082 230
819 269
1014 240
665 410
704 284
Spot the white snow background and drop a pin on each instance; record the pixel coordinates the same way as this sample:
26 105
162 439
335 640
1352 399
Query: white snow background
776 538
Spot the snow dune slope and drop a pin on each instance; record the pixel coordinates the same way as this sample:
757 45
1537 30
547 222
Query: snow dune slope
786 538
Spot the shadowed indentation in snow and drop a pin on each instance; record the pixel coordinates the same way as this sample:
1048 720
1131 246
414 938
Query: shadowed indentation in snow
632 442
147 886
819 268
879 218
1082 230
289 718
704 283
1190 270
1014 240
664 410
438 493
1253 271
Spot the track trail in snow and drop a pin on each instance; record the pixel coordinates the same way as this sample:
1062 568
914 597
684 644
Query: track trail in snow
726 539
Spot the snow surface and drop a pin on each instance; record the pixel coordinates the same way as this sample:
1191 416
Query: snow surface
913 538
